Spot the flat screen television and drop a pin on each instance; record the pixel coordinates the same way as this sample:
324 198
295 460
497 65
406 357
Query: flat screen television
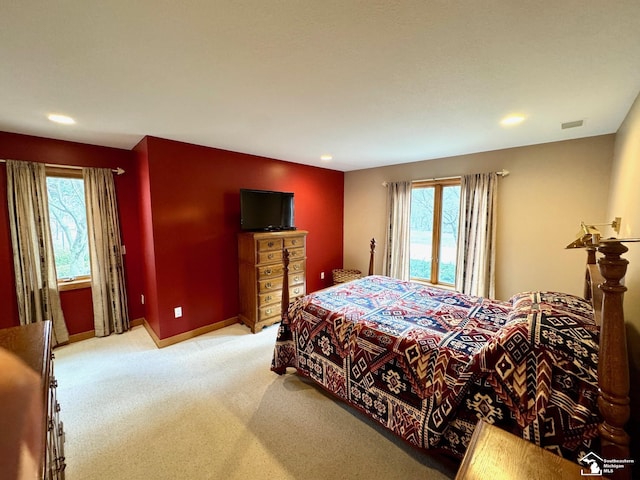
267 211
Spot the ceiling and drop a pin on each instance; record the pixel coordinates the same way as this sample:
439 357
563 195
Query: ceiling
371 82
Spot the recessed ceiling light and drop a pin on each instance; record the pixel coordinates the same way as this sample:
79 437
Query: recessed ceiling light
512 120
326 157
64 119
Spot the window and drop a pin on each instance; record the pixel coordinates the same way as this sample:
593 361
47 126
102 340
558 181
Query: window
68 219
435 209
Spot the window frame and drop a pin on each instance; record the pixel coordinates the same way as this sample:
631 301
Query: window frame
82 281
438 186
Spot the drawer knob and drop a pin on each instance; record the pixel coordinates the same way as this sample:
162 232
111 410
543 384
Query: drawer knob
268 299
268 285
268 311
271 244
270 256
296 267
294 241
296 291
268 271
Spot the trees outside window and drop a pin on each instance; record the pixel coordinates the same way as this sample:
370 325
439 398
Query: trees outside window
435 211
68 220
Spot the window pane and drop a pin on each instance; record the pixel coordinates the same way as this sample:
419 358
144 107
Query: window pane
449 234
421 233
68 217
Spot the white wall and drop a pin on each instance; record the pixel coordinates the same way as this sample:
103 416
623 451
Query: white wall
624 201
551 188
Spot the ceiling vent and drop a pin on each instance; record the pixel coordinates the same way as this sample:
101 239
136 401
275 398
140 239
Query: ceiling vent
574 124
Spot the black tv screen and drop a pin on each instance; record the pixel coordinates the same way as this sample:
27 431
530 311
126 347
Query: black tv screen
263 210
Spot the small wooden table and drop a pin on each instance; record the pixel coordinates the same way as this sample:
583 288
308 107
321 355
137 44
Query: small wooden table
495 454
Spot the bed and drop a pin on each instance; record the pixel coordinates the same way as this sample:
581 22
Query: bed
428 363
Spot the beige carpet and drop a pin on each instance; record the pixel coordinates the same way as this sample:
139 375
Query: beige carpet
210 408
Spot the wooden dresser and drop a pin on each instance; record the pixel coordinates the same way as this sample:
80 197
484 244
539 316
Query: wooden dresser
32 344
261 273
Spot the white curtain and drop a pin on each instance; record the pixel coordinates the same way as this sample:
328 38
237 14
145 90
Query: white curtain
105 250
33 257
398 230
475 270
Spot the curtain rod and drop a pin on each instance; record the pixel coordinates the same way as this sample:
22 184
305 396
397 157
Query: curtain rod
501 173
117 171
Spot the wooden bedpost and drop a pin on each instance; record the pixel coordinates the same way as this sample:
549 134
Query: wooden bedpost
591 260
285 283
372 255
613 367
593 280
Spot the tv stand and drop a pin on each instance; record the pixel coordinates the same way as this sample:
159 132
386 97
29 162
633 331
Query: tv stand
261 273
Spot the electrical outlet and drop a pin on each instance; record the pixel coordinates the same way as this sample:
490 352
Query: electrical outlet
177 312
321 275
142 299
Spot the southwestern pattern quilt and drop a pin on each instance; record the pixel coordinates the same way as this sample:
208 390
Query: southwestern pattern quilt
427 363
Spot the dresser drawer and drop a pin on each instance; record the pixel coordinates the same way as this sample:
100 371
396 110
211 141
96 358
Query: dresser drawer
270 271
294 242
270 283
296 291
296 267
296 279
269 298
277 270
275 283
270 256
296 253
267 244
269 311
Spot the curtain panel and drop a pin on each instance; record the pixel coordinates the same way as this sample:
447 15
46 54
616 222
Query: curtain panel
475 269
398 230
33 257
105 251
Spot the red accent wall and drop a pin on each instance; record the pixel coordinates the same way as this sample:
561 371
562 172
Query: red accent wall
8 303
180 214
146 237
76 304
190 212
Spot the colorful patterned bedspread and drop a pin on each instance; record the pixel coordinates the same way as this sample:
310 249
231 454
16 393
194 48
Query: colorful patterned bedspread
427 363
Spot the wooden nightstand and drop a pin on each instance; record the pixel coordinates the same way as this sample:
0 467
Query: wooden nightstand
499 455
